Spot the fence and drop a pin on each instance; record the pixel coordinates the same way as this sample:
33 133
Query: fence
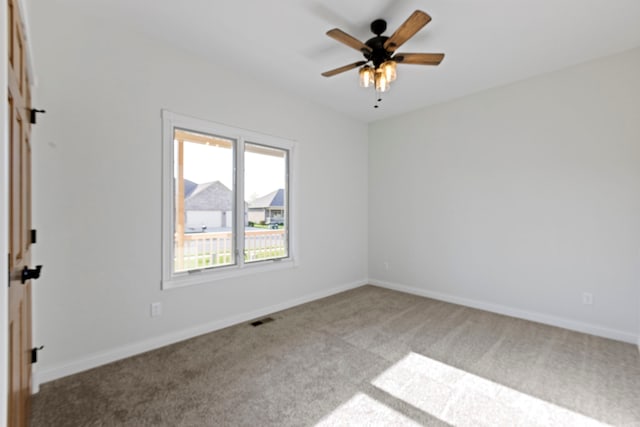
201 250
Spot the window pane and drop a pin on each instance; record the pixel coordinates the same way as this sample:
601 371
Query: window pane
204 201
265 188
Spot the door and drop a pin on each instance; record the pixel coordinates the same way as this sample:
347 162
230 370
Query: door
19 222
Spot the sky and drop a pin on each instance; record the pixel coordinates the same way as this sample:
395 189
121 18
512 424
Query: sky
206 163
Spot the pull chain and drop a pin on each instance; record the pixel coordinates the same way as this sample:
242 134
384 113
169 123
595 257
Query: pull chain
378 99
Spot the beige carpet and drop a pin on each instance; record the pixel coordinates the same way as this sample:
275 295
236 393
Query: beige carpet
365 357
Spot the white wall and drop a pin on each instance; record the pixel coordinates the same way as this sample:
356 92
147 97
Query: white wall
518 199
97 178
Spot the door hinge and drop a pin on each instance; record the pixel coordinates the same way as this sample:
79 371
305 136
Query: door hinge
34 354
33 113
33 236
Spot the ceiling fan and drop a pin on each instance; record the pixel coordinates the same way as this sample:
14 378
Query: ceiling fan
379 67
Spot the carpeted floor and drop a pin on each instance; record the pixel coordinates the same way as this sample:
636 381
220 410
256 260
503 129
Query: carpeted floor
369 356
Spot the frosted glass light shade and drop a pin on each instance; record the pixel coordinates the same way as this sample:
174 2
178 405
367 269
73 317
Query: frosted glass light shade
382 84
366 76
389 70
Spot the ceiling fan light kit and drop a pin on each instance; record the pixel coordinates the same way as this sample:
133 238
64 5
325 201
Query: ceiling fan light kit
379 68
367 75
389 70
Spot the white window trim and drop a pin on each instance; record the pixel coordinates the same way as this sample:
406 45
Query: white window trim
170 121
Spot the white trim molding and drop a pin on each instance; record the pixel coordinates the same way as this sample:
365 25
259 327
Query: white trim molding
546 319
98 359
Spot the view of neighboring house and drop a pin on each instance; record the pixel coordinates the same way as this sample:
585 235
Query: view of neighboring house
269 208
207 205
189 186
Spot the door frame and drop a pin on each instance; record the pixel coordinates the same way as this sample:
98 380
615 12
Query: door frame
4 215
4 190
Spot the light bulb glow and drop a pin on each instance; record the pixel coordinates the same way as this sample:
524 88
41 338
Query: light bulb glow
366 76
389 69
382 84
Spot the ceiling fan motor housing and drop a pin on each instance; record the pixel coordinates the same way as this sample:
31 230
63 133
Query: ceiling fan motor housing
378 53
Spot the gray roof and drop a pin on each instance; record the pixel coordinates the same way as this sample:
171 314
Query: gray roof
189 186
275 199
211 196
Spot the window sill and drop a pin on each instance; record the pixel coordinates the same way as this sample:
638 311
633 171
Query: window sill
201 277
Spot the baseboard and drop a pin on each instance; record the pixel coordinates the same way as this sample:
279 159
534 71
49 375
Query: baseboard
514 312
98 359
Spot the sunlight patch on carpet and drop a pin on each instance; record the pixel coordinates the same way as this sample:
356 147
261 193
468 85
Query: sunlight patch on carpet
460 398
364 410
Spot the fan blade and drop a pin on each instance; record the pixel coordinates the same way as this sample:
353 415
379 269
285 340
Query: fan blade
419 58
412 25
350 41
343 69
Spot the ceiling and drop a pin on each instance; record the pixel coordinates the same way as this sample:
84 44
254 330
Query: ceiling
487 43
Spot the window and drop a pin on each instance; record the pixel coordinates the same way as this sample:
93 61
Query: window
226 201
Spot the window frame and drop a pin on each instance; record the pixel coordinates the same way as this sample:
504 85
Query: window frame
170 279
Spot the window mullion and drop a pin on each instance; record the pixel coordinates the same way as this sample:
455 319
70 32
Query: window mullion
239 202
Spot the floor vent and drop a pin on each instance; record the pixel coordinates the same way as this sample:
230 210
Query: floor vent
262 321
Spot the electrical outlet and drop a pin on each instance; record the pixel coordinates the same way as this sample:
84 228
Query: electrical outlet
587 298
156 309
